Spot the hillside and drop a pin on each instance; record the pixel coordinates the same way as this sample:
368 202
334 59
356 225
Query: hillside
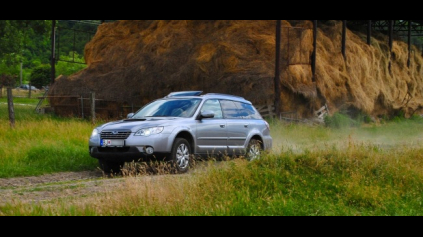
136 61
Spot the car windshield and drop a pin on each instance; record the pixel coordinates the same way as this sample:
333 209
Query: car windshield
184 108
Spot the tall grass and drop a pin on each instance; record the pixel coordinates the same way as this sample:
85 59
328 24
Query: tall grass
359 181
370 170
41 144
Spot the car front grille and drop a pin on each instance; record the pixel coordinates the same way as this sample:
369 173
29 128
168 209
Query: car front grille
115 134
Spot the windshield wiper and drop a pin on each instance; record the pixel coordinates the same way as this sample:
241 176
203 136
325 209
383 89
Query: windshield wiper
156 116
134 119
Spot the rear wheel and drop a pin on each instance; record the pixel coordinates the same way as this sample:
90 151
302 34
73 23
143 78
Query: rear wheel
254 150
110 167
181 155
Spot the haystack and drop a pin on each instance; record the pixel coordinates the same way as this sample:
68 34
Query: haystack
135 61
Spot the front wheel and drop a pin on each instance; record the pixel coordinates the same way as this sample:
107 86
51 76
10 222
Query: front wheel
181 155
254 150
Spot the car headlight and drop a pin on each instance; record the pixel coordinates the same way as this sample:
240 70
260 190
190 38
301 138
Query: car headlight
149 131
94 133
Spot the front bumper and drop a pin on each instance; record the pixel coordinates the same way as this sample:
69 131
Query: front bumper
134 148
123 154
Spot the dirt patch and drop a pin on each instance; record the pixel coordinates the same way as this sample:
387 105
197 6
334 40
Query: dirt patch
49 178
53 186
35 189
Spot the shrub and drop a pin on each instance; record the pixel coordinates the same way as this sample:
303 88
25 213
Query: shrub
7 80
40 76
339 120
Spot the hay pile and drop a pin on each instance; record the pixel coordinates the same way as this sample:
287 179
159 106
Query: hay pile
136 61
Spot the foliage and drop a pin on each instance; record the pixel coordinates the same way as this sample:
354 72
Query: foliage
40 76
29 42
67 67
7 80
339 120
74 36
16 34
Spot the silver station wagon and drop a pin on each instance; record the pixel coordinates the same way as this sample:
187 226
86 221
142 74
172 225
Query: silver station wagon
179 127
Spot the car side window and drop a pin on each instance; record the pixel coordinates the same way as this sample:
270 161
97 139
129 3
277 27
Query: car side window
248 111
213 105
238 110
230 111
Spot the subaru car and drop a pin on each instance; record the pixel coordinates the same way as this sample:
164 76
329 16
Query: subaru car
182 126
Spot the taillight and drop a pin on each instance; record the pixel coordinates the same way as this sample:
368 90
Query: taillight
267 125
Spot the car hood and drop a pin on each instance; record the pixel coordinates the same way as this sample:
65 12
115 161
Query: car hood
136 124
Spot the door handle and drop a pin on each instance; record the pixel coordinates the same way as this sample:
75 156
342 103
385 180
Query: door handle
222 125
245 125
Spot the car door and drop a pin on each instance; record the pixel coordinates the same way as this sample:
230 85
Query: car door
237 125
211 133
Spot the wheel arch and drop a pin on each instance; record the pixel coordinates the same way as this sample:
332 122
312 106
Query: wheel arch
257 137
187 136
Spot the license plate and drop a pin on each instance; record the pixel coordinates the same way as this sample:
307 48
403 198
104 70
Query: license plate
112 143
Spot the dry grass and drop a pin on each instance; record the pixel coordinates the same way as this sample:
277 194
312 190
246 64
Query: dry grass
136 61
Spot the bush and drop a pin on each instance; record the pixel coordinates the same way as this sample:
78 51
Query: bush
7 80
40 76
339 120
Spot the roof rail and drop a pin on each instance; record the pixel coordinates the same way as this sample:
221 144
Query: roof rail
226 95
184 93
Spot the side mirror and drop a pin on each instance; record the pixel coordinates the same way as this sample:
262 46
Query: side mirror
130 115
207 114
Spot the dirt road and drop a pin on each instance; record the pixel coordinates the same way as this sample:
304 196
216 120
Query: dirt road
53 186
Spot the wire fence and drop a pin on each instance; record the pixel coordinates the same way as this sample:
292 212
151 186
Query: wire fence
21 93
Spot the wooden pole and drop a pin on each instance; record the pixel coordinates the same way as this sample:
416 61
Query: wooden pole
344 36
409 43
390 42
313 56
369 32
277 67
92 98
391 34
20 76
29 91
11 107
82 107
53 51
1 91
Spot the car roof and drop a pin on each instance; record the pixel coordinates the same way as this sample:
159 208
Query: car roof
199 94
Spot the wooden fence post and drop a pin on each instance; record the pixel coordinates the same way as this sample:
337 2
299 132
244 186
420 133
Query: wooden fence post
82 107
92 107
29 93
1 91
11 108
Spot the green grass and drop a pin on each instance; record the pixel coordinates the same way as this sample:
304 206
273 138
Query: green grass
360 181
365 170
42 144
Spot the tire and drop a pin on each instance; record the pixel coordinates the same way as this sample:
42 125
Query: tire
181 155
109 167
254 150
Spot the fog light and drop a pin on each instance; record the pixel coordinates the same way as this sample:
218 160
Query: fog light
149 150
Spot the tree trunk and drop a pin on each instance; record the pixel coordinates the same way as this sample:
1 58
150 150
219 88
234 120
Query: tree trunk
11 107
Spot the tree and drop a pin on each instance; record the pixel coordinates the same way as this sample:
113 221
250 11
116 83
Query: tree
16 34
6 80
67 68
40 76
